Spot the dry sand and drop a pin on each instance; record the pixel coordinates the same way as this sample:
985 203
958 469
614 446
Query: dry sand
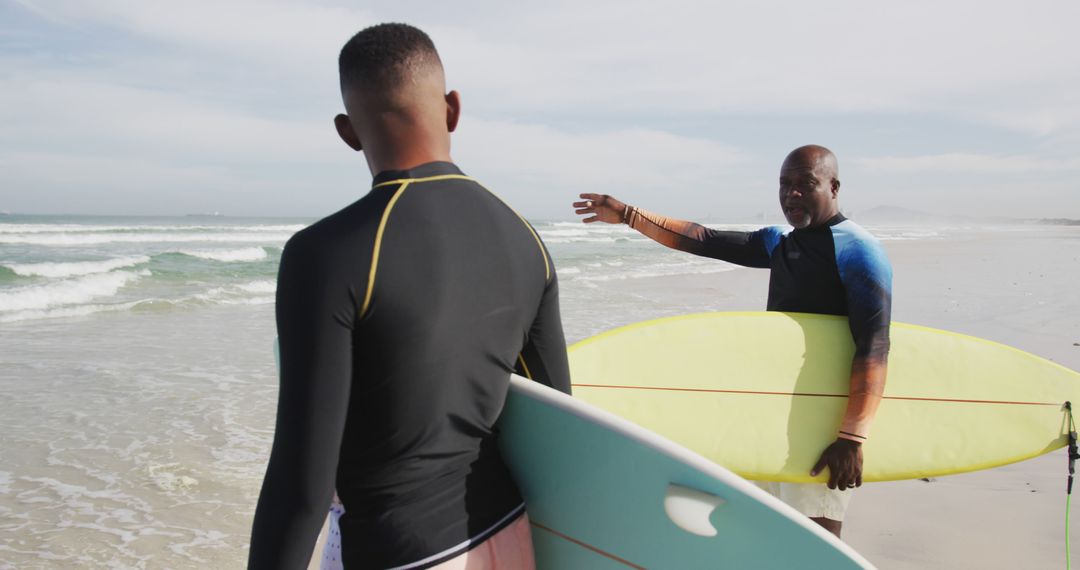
1014 285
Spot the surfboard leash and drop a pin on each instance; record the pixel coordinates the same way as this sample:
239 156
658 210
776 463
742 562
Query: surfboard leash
1074 454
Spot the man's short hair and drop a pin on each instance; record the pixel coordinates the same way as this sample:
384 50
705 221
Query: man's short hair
383 56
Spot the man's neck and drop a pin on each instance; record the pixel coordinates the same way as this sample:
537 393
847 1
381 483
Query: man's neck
400 142
404 157
403 165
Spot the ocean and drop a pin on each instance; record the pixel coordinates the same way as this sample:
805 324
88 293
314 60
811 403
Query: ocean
138 384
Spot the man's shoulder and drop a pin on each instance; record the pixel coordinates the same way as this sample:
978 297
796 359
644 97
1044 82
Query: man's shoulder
847 233
357 221
856 246
777 231
771 236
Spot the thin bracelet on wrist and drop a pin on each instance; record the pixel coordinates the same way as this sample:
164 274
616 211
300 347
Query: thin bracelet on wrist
851 436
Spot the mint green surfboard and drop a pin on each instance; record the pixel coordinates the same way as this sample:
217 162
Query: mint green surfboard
603 493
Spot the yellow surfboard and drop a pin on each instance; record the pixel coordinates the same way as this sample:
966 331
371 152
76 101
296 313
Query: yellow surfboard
763 394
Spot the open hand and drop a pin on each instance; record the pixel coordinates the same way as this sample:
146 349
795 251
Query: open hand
844 459
603 208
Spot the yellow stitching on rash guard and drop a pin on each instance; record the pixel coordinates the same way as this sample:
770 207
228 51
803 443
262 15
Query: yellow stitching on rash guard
540 244
425 179
407 181
378 244
525 367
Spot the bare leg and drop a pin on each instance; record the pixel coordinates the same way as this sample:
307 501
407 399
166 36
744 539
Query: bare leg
829 525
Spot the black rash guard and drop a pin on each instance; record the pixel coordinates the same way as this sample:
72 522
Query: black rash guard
836 269
400 319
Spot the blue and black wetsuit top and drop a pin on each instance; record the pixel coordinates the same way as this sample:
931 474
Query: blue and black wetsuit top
400 319
835 269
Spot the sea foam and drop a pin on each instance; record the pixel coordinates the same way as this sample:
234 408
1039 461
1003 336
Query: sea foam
72 311
263 286
252 293
71 291
659 271
75 268
227 255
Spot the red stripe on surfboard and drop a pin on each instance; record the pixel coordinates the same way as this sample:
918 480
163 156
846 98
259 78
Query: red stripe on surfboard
588 546
760 393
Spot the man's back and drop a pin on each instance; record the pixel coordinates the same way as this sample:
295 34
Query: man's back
419 300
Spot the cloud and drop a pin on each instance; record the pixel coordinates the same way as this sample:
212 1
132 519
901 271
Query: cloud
614 58
60 182
560 95
1052 113
541 169
52 111
974 164
109 184
292 34
621 158
840 57
88 170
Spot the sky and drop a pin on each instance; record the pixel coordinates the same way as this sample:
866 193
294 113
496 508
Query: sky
686 108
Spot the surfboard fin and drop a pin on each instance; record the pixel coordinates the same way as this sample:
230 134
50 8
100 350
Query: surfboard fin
690 509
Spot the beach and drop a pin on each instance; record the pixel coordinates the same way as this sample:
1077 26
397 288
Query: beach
1008 284
1012 286
138 421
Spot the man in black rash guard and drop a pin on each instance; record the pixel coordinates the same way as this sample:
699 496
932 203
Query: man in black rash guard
824 264
400 319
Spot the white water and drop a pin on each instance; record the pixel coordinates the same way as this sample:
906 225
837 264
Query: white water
227 255
70 269
70 291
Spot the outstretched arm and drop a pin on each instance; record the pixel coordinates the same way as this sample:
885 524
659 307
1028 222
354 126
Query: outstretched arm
743 248
314 322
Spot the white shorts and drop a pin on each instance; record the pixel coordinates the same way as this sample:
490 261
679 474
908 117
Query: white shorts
331 539
815 500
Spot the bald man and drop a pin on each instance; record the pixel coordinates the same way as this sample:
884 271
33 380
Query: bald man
824 264
400 319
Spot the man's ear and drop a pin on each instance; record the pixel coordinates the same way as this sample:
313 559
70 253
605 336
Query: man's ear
346 132
835 187
453 110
